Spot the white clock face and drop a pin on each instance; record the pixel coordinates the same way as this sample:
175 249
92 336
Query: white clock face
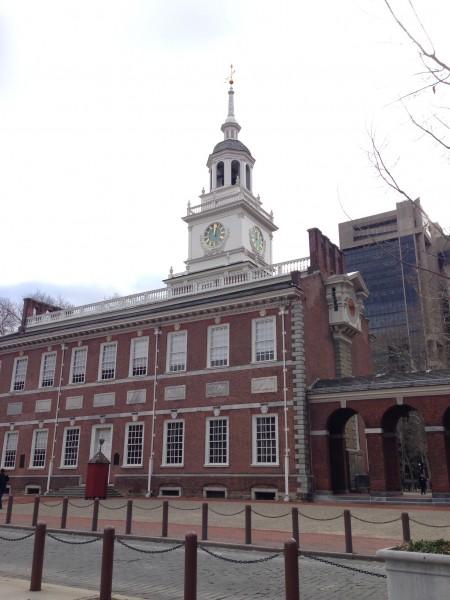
214 235
257 239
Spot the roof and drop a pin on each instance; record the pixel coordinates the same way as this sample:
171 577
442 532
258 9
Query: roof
382 381
231 145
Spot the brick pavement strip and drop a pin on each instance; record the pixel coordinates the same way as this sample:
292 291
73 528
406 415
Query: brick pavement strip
160 577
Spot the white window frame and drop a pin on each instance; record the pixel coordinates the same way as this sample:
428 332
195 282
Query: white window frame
170 336
255 463
93 449
5 441
100 361
41 372
33 448
72 364
207 448
132 346
210 330
13 377
264 490
125 445
63 450
172 488
164 456
214 488
254 322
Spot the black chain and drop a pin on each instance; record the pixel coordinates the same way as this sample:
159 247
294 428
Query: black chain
375 522
237 561
51 505
82 505
147 507
320 519
90 541
334 564
184 508
19 539
112 507
216 512
149 551
270 516
427 524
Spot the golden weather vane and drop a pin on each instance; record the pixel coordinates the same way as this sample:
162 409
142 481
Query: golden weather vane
230 79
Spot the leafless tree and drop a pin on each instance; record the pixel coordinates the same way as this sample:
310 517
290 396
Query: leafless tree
11 312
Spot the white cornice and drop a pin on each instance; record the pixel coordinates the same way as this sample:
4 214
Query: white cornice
384 393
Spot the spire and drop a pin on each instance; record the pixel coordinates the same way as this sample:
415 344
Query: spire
231 127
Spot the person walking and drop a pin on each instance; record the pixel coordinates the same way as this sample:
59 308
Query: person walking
3 481
423 484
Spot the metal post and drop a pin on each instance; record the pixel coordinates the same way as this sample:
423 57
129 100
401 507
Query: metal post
35 511
190 567
165 519
204 521
291 570
295 527
405 527
248 524
348 532
95 514
106 576
9 510
65 508
129 517
38 557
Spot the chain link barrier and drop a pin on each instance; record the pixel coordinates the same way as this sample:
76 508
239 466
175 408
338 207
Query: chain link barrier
88 505
143 551
19 539
147 507
376 522
427 524
103 505
321 519
57 539
237 561
270 516
42 503
216 512
184 507
346 567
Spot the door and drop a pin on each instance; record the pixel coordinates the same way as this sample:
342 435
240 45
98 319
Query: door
103 432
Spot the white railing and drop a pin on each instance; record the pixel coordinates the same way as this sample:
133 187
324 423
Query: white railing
198 286
218 200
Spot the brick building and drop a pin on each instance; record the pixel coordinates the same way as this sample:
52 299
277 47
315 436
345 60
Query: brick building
197 388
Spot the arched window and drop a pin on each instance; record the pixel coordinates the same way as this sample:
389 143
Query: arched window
247 178
235 171
219 174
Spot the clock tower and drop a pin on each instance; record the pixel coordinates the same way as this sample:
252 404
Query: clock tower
229 230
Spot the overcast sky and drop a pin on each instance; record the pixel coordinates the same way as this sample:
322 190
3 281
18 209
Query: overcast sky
108 111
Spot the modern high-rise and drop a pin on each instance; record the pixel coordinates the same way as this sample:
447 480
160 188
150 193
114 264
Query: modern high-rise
402 256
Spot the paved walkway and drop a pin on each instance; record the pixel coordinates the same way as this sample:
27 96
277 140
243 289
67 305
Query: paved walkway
321 525
160 576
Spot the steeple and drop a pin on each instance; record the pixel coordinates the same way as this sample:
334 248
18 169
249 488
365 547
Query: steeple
231 127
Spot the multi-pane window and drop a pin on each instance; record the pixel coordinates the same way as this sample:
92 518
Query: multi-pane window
78 371
218 345
265 439
10 449
19 374
108 360
173 453
71 445
264 339
139 356
176 351
39 448
134 444
48 367
217 441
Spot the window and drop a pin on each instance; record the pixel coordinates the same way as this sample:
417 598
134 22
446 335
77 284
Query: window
218 346
70 447
217 441
78 366
108 361
265 440
176 351
139 356
48 367
19 374
264 339
10 449
174 441
134 443
39 449
170 491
